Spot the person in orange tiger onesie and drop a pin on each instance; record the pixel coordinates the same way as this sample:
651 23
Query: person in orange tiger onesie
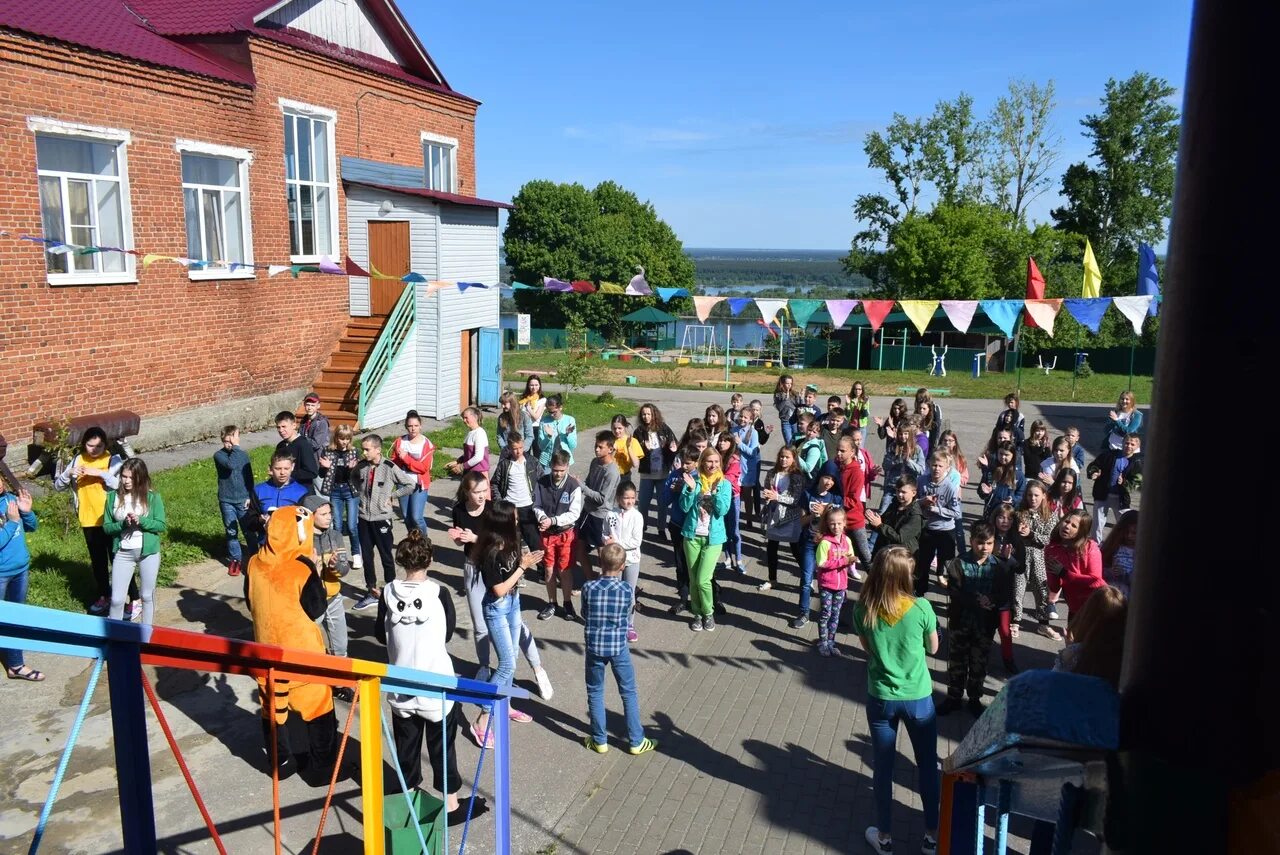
286 596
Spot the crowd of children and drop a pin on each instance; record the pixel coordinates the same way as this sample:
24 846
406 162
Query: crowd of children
703 490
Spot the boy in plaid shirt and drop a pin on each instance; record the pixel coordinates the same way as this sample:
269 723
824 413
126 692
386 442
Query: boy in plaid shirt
606 610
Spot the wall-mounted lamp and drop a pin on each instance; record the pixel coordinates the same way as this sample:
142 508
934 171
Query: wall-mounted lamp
386 207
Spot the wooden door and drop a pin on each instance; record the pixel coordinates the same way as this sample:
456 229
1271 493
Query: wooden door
389 255
466 378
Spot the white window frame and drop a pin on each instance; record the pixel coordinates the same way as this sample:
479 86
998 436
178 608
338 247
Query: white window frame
40 126
324 114
429 138
243 158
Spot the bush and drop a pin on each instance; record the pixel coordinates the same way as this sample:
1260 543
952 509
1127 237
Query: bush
605 397
1084 370
670 374
572 372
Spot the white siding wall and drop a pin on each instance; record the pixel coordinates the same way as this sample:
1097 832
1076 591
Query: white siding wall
468 253
364 205
458 311
343 22
399 390
429 365
469 244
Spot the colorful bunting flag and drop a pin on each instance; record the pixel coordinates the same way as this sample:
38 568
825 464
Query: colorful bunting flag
1134 308
840 311
1148 276
614 288
960 313
1092 275
703 306
555 284
1088 313
638 286
582 286
802 310
353 269
61 249
274 269
463 286
327 265
1003 313
435 285
1043 312
876 311
737 304
412 277
520 286
769 309
920 312
1035 288
378 274
668 293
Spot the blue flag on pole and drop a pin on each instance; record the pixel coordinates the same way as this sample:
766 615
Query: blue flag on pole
1148 276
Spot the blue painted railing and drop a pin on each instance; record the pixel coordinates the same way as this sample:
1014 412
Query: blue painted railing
126 647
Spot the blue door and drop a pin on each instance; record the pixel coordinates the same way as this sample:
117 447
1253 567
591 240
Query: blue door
490 366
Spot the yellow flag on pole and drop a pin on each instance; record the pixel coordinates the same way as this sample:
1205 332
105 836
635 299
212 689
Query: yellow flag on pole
1092 275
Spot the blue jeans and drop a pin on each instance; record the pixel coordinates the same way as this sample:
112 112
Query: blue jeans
413 508
625 674
502 619
346 517
237 518
788 432
649 490
13 589
922 729
807 565
733 537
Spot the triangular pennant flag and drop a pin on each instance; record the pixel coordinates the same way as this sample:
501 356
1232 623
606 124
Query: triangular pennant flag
555 284
1043 312
327 265
704 305
1148 275
638 286
436 285
1088 312
769 309
413 277
1035 287
378 274
582 286
1134 308
236 265
462 286
960 313
802 310
276 269
35 239
667 294
920 312
840 311
185 262
88 250
737 304
61 249
520 286
1002 313
876 311
615 288
353 269
294 270
1092 275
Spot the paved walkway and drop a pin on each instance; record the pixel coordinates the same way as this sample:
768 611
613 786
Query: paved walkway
763 743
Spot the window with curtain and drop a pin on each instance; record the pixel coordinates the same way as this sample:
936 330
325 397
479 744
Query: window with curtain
82 202
213 195
309 187
437 158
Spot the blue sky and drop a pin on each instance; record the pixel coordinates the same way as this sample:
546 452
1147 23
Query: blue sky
743 122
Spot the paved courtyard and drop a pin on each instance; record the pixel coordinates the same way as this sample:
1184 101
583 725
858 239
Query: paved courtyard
763 744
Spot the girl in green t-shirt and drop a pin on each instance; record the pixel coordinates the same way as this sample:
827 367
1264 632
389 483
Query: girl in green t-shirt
897 631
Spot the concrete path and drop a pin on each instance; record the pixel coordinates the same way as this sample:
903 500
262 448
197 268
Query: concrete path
763 743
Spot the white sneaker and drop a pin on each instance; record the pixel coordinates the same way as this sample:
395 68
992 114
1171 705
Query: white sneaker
357 562
544 684
764 586
873 840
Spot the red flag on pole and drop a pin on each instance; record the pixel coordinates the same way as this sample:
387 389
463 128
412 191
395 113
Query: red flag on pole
1035 289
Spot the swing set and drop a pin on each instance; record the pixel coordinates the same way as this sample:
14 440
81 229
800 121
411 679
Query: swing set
126 647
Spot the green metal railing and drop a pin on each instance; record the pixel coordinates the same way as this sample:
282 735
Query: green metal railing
395 332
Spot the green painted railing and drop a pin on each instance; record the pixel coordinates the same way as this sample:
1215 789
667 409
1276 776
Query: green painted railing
395 332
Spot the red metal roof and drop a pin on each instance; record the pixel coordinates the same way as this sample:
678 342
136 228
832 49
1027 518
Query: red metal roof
108 26
161 32
437 195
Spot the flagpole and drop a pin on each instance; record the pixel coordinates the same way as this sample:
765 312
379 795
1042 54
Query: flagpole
1132 345
726 355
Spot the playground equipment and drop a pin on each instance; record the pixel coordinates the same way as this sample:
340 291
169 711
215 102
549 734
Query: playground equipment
1040 750
1046 368
939 366
126 647
698 340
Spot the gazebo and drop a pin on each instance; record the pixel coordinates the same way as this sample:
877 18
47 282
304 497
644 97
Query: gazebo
658 327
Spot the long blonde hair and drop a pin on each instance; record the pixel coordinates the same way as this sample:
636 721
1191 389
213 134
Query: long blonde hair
889 590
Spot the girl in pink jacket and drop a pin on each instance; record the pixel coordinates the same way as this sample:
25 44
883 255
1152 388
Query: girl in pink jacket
833 558
1073 561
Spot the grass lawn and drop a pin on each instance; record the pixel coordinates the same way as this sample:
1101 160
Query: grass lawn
1036 386
60 574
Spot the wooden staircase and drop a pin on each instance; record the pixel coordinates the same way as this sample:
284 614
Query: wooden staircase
339 382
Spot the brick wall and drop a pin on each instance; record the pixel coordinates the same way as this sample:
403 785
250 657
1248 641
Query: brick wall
169 343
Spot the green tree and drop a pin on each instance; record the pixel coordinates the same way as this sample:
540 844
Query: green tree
601 235
1023 147
1125 195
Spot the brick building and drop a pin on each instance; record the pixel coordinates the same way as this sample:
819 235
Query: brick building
232 132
